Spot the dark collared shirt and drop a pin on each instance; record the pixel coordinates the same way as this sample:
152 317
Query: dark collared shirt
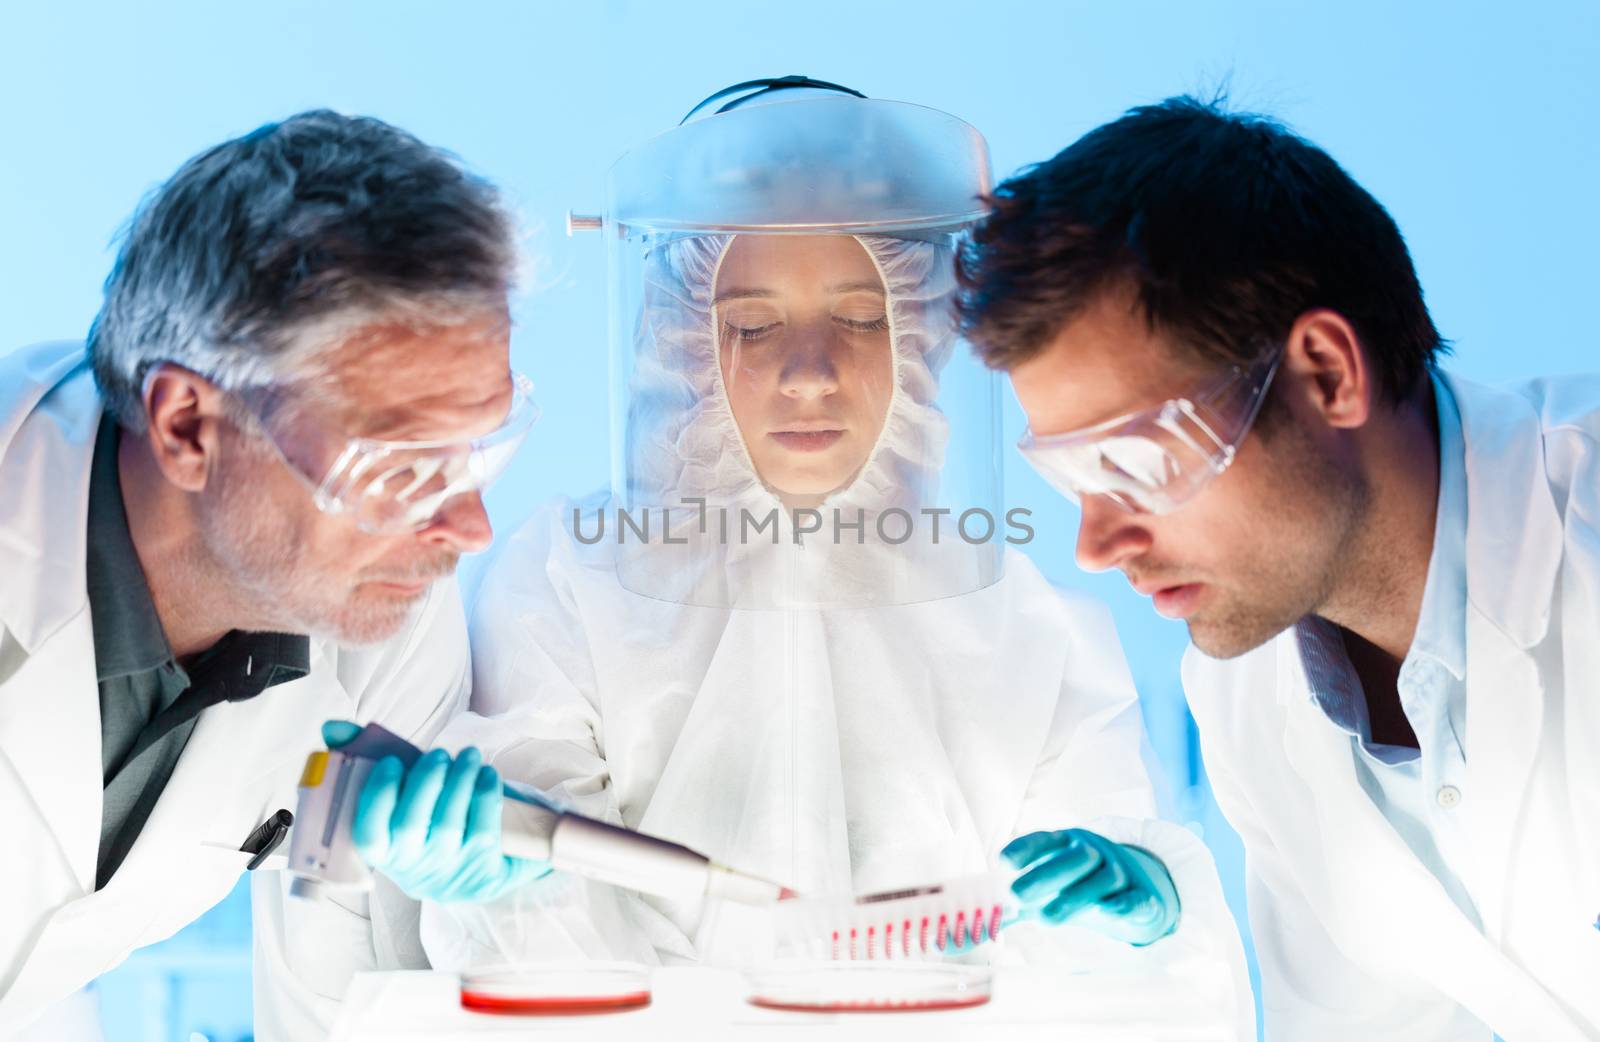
148 701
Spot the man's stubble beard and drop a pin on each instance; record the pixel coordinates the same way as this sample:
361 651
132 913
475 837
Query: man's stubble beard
1300 565
260 557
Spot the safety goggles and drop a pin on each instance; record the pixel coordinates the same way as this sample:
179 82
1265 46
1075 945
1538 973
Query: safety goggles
1154 460
388 487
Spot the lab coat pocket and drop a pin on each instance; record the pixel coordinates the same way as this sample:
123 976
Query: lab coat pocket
228 857
321 942
209 872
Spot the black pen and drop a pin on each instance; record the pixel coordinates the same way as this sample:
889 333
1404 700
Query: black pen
266 838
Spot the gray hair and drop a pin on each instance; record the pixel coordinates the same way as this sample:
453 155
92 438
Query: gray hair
255 256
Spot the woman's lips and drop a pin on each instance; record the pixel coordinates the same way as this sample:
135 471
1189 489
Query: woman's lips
806 441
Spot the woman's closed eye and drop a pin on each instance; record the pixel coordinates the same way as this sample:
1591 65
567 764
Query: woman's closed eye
748 320
747 333
863 325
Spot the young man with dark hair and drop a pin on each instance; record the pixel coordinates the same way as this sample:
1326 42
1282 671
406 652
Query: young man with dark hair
1391 576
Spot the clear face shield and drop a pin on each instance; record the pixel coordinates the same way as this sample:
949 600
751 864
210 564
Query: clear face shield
795 420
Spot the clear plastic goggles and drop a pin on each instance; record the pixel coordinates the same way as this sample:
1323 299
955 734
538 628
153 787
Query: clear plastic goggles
388 487
1154 460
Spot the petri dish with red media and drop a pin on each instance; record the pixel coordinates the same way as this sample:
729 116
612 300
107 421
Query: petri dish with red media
842 986
556 989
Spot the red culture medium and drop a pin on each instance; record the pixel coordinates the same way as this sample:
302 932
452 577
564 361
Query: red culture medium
553 1005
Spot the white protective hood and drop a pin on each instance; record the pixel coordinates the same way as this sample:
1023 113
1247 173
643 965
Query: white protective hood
683 445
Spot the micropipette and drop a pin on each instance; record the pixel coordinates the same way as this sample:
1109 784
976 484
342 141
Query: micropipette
533 825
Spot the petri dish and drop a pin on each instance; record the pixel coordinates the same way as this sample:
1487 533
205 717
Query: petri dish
868 987
556 989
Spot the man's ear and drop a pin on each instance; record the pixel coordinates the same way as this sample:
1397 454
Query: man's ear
1327 366
185 413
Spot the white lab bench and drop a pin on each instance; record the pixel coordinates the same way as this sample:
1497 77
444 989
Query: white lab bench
699 1003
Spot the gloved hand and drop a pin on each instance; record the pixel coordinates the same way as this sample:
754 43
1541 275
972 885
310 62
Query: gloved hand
435 828
1121 891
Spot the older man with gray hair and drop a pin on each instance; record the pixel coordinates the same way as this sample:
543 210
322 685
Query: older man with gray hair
233 516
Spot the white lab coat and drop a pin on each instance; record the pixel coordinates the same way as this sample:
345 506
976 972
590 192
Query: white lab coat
836 751
1356 938
57 933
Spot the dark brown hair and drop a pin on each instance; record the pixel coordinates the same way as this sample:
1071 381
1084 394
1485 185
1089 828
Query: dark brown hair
1226 226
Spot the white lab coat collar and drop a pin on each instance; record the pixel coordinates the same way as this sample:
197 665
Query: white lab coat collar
44 415
1514 534
1441 632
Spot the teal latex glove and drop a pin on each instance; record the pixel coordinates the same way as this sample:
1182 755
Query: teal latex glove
435 828
1080 876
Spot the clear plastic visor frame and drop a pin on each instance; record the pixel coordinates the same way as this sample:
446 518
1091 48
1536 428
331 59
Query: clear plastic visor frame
389 487
1153 460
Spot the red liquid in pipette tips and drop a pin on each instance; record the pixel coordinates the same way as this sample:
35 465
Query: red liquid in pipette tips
968 930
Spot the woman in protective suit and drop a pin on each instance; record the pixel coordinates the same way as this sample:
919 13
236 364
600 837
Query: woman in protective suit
792 637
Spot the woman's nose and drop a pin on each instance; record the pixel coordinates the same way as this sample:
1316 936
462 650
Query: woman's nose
808 365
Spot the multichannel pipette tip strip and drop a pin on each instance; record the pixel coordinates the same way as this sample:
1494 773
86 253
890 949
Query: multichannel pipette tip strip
921 923
887 939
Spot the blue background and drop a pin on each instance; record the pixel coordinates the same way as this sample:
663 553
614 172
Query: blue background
1475 123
